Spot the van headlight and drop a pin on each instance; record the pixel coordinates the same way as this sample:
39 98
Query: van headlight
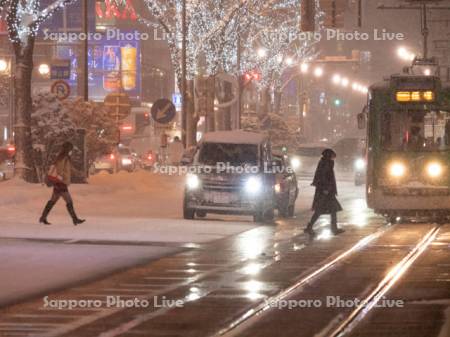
397 170
192 181
295 163
360 164
434 169
253 185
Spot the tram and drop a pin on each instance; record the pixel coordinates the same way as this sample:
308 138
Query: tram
408 146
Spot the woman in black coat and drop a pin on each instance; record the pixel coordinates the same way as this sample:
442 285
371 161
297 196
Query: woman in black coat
325 201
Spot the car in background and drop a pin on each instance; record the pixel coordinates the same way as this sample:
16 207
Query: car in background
7 162
149 160
351 158
286 187
188 156
305 159
360 171
125 158
107 162
348 150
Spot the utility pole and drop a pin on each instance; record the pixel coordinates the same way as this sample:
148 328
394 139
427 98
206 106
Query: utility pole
184 109
423 7
238 60
83 68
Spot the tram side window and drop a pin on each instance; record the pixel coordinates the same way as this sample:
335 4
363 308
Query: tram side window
416 131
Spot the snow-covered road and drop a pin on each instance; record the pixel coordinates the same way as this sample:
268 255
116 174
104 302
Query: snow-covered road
131 218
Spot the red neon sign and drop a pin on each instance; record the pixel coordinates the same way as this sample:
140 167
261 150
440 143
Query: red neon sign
119 9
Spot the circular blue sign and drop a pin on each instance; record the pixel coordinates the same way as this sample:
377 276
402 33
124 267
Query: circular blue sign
163 111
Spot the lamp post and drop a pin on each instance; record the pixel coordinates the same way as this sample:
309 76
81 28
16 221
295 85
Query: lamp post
184 130
8 101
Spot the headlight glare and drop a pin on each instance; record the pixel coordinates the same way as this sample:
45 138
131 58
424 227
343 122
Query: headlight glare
277 188
192 181
434 170
253 185
295 163
360 164
397 170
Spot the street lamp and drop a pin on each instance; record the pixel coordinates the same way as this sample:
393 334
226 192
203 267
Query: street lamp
318 72
304 68
345 82
405 54
44 69
3 66
336 78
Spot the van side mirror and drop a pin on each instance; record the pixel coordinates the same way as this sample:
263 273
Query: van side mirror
362 119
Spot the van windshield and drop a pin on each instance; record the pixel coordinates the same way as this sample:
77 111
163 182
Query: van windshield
232 154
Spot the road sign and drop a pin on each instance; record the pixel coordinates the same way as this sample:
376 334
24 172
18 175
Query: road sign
60 69
118 105
61 89
163 111
177 100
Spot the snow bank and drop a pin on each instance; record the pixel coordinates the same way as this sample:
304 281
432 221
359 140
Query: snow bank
139 206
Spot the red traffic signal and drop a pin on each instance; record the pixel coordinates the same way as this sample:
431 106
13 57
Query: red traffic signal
250 76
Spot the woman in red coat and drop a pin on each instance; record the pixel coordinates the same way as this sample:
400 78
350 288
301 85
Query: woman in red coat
325 201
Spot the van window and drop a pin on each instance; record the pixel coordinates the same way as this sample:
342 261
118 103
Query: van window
232 154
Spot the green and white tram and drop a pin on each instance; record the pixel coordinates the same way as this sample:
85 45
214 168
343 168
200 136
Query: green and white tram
408 146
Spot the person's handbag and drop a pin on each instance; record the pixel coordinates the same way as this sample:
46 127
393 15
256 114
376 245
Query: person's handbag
52 177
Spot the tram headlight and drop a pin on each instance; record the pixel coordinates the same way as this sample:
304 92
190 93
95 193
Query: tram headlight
192 181
397 170
434 169
295 163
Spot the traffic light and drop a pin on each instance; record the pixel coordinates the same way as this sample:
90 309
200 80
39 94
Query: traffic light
337 102
250 76
142 120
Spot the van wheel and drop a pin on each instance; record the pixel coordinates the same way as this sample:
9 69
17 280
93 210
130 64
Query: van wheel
188 214
201 214
269 215
258 217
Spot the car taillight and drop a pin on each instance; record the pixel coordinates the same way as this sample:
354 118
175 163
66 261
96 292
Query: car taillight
11 149
150 157
112 157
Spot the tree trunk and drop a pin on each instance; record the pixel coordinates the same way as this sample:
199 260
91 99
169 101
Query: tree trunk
24 163
264 103
278 95
223 120
191 118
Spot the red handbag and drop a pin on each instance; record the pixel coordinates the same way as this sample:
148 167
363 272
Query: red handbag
52 177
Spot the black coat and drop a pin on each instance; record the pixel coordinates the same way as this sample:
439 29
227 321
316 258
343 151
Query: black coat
325 201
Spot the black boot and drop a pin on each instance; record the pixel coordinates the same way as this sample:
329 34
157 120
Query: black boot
309 230
45 212
72 213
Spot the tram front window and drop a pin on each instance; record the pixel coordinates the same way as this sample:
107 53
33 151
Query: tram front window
419 131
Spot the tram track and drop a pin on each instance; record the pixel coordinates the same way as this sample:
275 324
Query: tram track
341 324
77 324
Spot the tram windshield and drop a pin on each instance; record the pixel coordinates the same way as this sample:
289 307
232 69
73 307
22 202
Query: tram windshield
418 131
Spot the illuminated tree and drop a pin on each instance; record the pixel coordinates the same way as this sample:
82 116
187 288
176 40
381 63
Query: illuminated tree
23 20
